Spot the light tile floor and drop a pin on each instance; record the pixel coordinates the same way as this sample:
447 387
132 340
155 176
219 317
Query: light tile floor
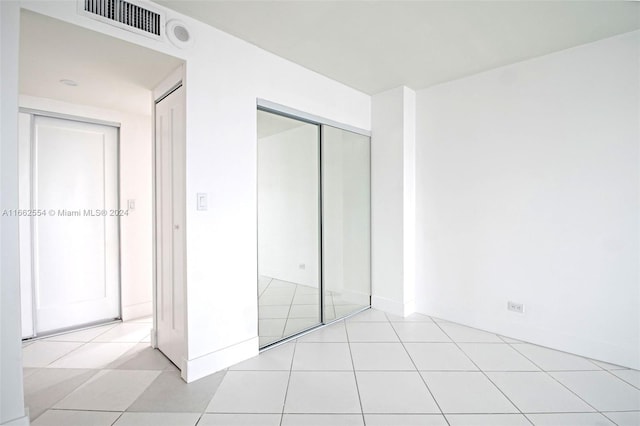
372 369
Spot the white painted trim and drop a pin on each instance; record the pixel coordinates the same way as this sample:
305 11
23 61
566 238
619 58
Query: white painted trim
533 333
175 78
409 307
139 310
71 117
213 362
153 338
22 421
394 307
297 114
355 297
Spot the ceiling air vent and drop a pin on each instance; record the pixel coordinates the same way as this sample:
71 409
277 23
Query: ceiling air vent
127 15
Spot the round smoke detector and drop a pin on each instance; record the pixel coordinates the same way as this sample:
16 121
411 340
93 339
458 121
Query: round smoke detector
178 34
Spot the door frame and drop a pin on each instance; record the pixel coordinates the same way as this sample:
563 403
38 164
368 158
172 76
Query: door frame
28 281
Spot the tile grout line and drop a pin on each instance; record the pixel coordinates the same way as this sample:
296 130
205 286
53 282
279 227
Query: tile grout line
355 377
286 392
592 361
485 374
559 382
81 346
91 410
260 293
95 371
204 410
417 371
395 371
620 378
113 324
608 418
199 419
68 353
291 304
286 321
118 418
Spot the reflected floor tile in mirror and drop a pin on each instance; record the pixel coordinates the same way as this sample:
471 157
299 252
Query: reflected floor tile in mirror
286 308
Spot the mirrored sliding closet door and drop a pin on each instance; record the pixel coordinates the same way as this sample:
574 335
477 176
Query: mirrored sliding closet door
288 226
313 224
346 224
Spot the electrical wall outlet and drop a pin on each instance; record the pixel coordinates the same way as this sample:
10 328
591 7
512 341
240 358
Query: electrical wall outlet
302 266
515 307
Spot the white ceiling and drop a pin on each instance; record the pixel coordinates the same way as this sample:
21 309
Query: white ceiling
377 45
110 73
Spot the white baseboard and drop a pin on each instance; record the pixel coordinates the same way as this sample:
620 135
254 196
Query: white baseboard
354 297
533 333
205 365
139 310
153 338
22 421
392 306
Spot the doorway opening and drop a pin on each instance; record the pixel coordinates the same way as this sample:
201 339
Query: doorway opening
87 121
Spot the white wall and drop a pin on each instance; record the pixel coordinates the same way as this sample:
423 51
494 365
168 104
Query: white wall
135 183
528 190
11 387
392 200
222 88
288 216
224 78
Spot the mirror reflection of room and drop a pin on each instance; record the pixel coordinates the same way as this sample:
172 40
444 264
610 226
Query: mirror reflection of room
346 222
313 225
288 226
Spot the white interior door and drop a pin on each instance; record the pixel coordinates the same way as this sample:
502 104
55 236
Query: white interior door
170 226
76 244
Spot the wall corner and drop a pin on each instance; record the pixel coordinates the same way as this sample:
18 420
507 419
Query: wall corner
393 186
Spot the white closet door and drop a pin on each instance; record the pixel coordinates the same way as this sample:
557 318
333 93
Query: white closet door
170 223
76 245
24 203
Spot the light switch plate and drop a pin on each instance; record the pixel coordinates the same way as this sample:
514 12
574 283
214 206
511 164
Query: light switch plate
202 201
